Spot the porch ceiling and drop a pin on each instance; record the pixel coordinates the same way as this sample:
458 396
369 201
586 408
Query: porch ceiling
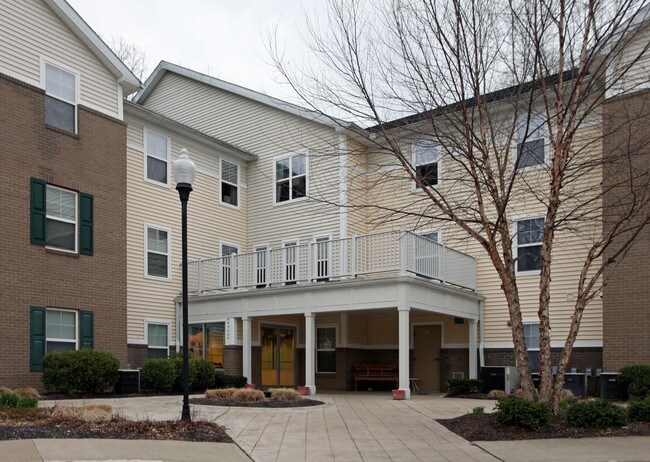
346 295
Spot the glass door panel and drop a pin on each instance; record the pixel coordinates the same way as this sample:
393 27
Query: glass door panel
269 356
286 350
196 341
215 340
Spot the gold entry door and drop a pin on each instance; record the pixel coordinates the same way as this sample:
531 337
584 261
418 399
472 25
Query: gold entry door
426 357
278 357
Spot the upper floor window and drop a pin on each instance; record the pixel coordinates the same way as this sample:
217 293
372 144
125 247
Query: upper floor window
61 98
157 157
157 252
290 178
61 218
427 163
531 137
229 183
530 233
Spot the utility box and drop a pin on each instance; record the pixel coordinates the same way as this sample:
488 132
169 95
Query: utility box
503 378
128 382
611 388
576 382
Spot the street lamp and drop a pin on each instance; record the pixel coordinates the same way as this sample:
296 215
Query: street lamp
184 172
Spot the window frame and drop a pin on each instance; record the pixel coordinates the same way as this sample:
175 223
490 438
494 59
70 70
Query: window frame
521 121
59 340
515 243
234 276
145 149
62 220
45 61
438 161
291 200
147 226
526 338
333 349
236 206
159 322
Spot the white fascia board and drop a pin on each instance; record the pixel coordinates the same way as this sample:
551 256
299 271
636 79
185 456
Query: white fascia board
87 35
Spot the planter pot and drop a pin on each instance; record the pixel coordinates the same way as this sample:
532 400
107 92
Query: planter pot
252 386
303 390
399 394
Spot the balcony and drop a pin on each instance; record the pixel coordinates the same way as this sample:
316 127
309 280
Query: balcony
356 257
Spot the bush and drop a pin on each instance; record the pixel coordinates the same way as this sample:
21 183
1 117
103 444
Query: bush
229 381
636 380
285 394
596 414
464 386
27 392
640 409
494 394
478 410
82 371
246 395
204 374
522 413
13 400
158 375
27 401
220 393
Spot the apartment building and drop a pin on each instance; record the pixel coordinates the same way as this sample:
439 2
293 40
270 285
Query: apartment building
63 267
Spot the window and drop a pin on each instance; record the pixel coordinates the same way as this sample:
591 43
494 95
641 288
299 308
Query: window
229 265
157 252
290 178
229 183
157 157
427 159
60 98
326 349
55 329
206 341
530 233
531 335
61 219
157 340
531 136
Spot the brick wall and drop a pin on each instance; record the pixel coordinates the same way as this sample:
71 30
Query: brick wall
92 161
137 355
232 360
626 297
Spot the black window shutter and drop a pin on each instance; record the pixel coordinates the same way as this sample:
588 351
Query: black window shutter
36 338
86 329
37 211
86 223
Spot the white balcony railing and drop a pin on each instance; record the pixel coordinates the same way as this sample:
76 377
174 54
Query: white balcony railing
359 255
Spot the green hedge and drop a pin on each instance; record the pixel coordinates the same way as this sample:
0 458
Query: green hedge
636 380
80 371
530 415
640 409
13 400
166 375
464 386
598 414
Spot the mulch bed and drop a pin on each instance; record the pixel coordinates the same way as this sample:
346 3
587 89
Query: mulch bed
38 423
484 427
270 403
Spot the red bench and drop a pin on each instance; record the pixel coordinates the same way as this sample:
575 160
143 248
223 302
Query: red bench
371 372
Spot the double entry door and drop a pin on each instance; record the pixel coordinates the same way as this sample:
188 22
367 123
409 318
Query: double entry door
278 356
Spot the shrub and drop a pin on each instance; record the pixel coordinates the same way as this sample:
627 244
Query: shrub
596 414
8 400
201 374
478 410
220 393
6 390
464 386
158 375
27 402
522 413
285 394
494 394
566 395
640 409
636 380
229 381
27 392
246 395
83 371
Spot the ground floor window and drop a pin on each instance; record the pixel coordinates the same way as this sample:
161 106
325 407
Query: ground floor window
206 341
157 340
531 334
60 330
325 349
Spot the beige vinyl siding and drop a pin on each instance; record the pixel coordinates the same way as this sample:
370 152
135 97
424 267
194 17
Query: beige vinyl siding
633 61
269 133
208 224
31 31
357 189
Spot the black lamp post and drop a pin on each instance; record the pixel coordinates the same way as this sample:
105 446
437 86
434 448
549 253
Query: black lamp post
184 172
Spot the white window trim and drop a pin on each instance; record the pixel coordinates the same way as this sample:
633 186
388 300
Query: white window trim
515 153
147 322
530 322
63 340
169 252
145 131
275 181
77 83
515 247
238 185
414 186
334 347
76 222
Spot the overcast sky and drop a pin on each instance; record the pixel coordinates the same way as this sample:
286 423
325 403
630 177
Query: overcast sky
224 38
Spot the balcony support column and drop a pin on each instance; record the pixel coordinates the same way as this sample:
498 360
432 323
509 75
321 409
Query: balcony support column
472 348
404 338
310 352
246 349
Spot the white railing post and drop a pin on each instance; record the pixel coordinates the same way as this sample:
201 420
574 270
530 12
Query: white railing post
267 267
353 257
443 263
402 250
312 262
200 275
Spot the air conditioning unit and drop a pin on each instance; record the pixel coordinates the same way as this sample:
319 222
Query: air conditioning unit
504 378
458 375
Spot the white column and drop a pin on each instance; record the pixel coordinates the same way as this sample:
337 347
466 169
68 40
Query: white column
310 352
231 331
246 349
404 351
472 348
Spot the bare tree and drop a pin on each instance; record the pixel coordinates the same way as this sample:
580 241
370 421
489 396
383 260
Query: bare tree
484 81
134 57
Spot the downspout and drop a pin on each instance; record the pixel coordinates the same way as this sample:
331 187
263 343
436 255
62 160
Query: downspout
481 344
